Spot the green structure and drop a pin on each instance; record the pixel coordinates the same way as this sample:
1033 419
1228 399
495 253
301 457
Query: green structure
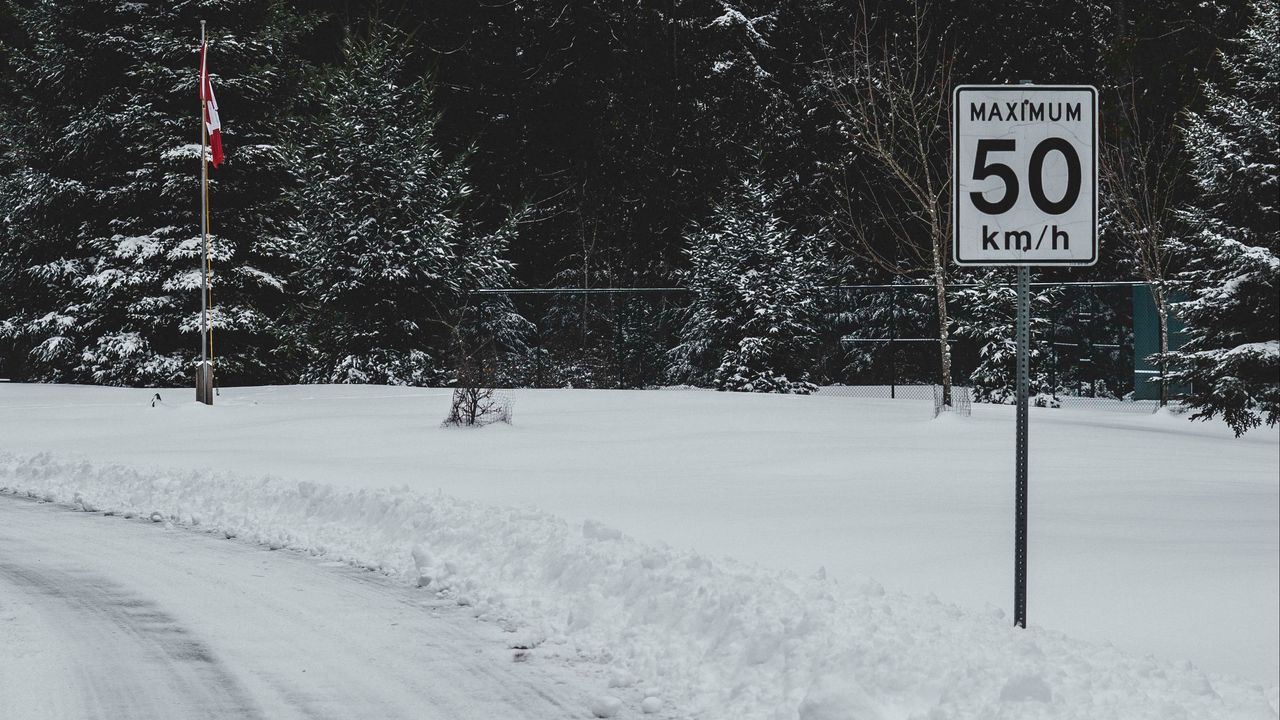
1146 342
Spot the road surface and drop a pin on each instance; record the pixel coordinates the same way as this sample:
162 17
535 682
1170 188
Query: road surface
103 617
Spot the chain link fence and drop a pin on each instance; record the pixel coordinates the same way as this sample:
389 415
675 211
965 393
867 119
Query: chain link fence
874 341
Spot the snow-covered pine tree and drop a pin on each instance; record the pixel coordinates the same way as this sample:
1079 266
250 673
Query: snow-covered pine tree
1093 331
20 298
489 330
378 231
751 325
105 227
1232 356
581 329
12 362
989 317
893 317
641 325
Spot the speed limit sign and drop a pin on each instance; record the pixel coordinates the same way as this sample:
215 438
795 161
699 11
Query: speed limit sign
1025 185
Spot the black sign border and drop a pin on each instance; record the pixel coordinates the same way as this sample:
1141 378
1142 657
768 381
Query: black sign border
955 177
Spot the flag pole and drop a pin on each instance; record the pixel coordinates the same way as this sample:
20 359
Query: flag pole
204 376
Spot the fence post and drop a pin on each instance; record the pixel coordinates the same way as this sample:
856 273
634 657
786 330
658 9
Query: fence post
893 338
617 339
537 354
1053 352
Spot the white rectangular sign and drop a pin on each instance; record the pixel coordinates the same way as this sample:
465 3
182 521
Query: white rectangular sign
1025 175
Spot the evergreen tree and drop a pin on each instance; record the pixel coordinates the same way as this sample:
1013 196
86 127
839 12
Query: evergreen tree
1232 357
377 231
990 319
1092 329
102 233
615 124
756 292
12 361
874 335
642 329
387 260
489 332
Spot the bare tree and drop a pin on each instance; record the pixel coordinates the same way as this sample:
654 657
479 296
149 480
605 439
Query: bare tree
893 92
1141 168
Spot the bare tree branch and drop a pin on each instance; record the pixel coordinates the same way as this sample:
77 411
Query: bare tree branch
894 96
1141 167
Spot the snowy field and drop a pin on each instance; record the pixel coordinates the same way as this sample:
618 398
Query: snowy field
882 538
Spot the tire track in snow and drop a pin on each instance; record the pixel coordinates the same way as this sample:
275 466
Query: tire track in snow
155 667
112 618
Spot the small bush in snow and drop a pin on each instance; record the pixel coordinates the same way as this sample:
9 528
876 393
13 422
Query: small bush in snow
475 407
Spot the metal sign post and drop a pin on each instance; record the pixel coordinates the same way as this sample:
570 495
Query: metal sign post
1020 454
1024 193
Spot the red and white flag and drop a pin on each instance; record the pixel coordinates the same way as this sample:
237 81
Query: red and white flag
211 121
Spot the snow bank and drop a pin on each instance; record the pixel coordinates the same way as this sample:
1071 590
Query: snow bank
715 639
1151 532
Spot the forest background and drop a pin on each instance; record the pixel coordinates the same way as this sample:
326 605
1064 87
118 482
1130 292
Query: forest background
385 161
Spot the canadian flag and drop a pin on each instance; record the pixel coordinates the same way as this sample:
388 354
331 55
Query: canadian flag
211 121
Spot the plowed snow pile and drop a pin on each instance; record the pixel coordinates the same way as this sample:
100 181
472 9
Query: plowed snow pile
719 639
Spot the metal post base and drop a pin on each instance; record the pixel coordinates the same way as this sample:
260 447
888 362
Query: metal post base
204 383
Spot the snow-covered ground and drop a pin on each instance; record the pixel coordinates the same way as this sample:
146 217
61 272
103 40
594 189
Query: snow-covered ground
1148 532
102 618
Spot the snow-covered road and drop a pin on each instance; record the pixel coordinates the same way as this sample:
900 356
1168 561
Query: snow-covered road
102 617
